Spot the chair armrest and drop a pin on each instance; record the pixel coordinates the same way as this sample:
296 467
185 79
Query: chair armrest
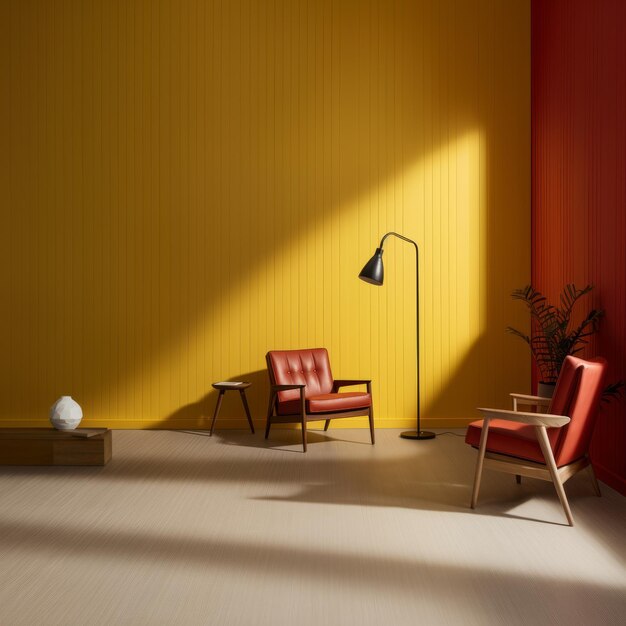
274 389
347 382
286 387
538 400
521 398
535 419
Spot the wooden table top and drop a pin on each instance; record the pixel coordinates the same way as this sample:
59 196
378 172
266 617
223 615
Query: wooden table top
49 433
226 386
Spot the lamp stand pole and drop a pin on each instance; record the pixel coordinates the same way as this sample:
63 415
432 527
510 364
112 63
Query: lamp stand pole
419 433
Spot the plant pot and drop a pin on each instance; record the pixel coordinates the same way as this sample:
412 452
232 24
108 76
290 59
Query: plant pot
545 390
65 413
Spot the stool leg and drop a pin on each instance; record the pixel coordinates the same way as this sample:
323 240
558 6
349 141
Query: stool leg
217 410
242 393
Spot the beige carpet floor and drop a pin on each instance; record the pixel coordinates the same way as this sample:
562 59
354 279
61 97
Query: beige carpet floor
181 528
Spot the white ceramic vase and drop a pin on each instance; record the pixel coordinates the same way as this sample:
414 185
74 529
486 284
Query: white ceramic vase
66 413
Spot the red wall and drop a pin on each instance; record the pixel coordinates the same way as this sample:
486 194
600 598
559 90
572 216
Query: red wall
579 181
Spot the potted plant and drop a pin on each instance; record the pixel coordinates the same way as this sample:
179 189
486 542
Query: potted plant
553 335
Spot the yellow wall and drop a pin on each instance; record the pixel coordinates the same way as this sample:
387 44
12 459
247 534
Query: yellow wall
187 184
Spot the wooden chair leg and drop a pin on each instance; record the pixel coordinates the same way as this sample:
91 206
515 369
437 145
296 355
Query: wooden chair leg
544 442
518 479
479 462
304 434
371 413
326 425
217 410
594 481
303 417
270 411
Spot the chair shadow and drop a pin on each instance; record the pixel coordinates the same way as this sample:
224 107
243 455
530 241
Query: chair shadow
276 442
348 480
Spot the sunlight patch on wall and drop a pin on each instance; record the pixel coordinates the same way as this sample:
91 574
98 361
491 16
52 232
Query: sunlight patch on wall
370 332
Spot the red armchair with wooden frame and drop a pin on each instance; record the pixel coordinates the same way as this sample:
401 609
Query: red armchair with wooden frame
302 389
550 446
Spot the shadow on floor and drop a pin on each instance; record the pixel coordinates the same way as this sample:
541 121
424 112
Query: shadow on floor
365 570
358 475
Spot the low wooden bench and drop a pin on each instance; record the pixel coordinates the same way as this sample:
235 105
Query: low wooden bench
47 446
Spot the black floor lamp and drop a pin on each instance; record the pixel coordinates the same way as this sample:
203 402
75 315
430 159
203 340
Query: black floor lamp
374 273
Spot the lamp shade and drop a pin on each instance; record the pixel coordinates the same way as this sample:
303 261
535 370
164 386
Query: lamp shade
374 271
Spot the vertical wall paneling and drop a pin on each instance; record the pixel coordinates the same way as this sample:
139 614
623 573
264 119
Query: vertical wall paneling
579 181
188 184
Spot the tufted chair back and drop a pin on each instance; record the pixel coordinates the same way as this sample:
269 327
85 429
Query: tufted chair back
310 367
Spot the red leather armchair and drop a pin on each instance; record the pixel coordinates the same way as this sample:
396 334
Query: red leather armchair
302 389
551 446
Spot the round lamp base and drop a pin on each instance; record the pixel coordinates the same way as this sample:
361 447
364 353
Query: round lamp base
413 434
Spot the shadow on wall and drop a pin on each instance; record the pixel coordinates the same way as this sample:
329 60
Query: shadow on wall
147 199
202 410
